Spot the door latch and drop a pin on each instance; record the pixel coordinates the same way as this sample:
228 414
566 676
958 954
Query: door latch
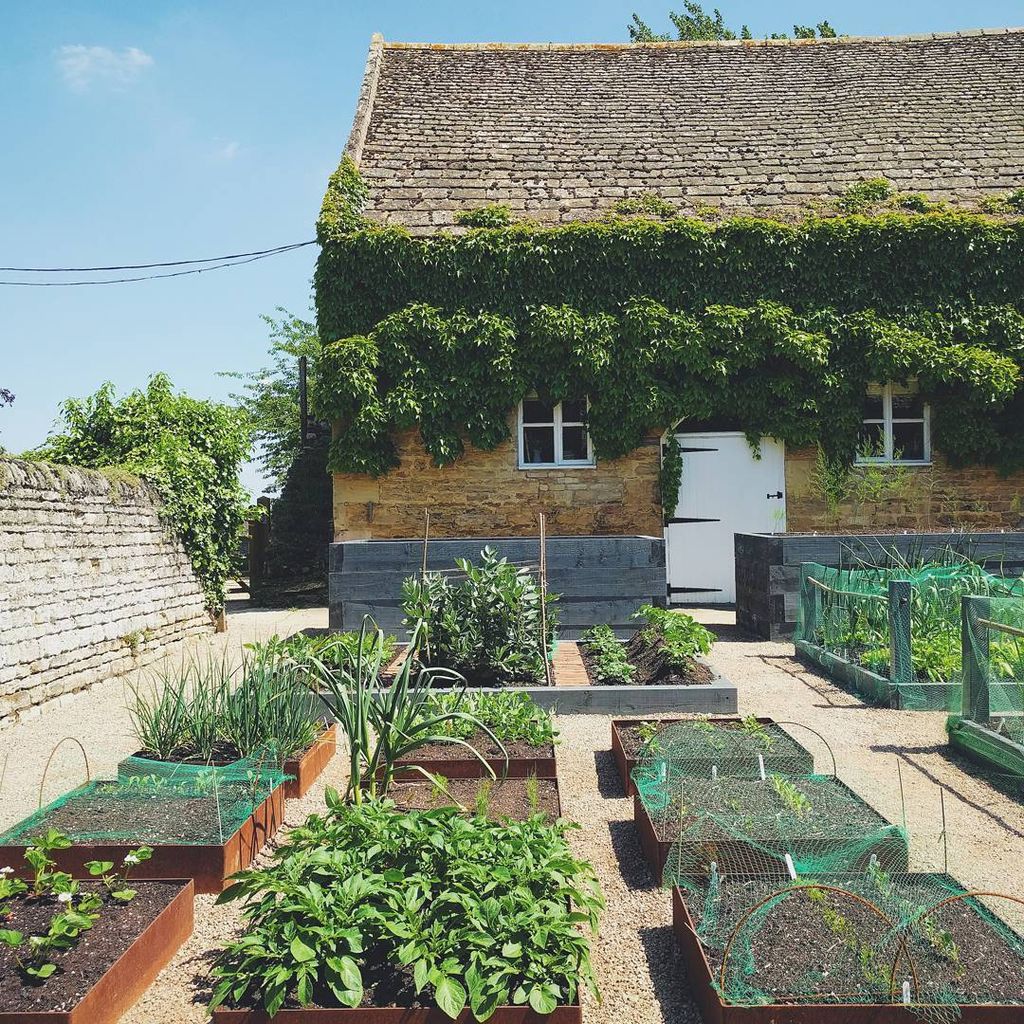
777 494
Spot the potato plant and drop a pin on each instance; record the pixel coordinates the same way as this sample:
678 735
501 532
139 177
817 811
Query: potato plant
481 914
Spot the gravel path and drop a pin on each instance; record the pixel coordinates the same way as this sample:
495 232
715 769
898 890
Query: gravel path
637 966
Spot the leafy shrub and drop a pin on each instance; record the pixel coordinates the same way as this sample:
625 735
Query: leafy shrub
511 716
608 659
485 625
190 449
332 650
680 636
480 914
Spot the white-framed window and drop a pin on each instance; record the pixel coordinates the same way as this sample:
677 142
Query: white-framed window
895 426
553 434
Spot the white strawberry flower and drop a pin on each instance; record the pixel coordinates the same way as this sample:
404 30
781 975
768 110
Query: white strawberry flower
131 859
64 897
6 871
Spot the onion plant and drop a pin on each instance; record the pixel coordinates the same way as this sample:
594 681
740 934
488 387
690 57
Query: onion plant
383 724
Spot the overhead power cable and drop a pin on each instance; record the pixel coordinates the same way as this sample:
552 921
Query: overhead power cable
216 263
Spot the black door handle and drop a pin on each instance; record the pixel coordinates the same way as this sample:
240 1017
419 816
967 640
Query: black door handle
777 494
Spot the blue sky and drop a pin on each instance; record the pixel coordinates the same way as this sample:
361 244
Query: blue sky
136 132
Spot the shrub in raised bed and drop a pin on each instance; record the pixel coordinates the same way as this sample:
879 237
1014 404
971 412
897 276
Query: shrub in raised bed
486 623
366 906
883 946
663 651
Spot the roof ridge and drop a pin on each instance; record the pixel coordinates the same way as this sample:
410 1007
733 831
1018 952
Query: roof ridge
695 43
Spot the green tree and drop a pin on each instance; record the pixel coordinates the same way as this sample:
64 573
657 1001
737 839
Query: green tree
190 449
695 24
271 396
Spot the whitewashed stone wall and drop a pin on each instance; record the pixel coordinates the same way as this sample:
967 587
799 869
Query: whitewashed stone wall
92 583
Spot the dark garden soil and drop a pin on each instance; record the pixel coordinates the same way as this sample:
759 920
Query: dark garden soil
801 948
155 820
80 967
504 799
483 744
753 808
653 667
223 754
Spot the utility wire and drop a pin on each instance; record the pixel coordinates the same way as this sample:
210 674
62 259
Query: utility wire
219 263
150 266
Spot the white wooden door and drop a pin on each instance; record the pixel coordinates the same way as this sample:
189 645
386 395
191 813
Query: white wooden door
724 490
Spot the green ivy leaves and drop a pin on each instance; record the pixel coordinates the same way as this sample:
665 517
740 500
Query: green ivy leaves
797 377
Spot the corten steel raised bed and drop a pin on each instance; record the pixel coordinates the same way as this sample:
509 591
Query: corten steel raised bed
209 864
131 974
714 1011
756 859
543 767
396 1015
307 768
626 764
393 793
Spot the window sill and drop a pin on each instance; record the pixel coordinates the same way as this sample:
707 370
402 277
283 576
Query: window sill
893 462
557 465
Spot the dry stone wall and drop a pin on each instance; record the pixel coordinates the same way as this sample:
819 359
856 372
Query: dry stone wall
486 494
92 583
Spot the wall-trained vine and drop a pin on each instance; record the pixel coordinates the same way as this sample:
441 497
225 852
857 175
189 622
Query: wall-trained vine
780 326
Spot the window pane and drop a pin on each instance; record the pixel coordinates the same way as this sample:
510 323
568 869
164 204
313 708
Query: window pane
574 444
908 441
535 411
574 412
907 407
539 443
872 407
871 443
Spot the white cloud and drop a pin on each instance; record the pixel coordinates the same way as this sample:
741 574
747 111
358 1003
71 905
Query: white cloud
227 151
81 66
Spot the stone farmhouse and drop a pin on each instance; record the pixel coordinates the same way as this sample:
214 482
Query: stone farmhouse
559 134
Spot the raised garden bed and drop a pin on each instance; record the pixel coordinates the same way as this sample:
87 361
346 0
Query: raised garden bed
396 1015
781 753
746 825
454 762
103 975
188 834
515 799
304 769
828 959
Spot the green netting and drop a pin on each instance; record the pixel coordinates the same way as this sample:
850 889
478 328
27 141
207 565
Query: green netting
893 633
990 721
751 825
157 802
700 748
871 937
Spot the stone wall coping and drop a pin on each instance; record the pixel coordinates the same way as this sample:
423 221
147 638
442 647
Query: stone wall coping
118 485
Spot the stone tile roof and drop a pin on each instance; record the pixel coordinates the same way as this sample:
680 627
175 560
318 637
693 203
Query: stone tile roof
559 132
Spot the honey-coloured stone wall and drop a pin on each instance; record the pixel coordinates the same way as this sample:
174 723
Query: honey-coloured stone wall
919 498
485 494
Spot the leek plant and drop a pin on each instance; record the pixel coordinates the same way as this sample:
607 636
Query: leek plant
383 724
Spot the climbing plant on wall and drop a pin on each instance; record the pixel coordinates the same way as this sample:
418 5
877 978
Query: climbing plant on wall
779 325
190 449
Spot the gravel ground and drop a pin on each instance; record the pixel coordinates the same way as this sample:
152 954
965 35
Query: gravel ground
637 966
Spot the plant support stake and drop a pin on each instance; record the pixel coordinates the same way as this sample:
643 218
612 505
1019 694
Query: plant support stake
544 601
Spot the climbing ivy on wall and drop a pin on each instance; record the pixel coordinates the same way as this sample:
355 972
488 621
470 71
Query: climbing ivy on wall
779 325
